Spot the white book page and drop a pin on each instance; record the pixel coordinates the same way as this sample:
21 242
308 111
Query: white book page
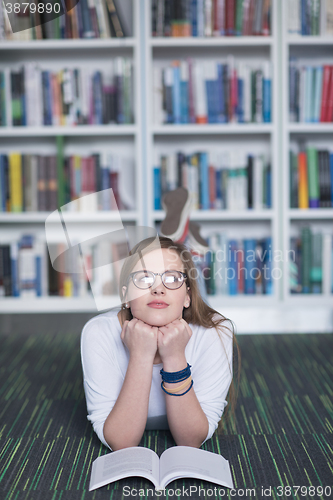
129 462
185 461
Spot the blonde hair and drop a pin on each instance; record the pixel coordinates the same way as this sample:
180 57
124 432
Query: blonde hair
198 313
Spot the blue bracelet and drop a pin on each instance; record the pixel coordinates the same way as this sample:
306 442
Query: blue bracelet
175 394
174 377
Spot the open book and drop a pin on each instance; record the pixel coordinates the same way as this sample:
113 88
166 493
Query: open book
174 463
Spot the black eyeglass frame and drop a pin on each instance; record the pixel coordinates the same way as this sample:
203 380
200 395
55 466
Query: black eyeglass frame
130 276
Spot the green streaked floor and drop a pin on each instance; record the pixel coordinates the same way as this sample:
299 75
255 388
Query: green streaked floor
283 436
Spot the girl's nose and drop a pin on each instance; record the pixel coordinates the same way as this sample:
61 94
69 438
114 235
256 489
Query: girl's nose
158 286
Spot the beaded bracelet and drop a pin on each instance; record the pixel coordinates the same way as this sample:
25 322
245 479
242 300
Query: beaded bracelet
174 377
176 394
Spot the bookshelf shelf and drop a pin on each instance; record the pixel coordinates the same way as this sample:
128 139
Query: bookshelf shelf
319 213
79 44
55 304
210 129
80 217
80 130
310 128
211 42
304 40
221 215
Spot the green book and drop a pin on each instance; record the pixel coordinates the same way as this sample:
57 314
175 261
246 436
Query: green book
239 17
316 274
306 239
313 178
60 171
293 170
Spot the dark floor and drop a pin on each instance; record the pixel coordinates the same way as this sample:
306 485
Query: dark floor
283 434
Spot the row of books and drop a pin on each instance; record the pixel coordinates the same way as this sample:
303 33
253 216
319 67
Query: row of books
193 91
311 178
26 270
73 96
310 92
220 182
33 182
88 19
211 17
236 267
310 17
311 262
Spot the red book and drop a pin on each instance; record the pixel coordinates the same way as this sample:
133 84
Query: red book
212 186
329 115
84 176
114 185
324 96
249 28
91 174
230 17
240 271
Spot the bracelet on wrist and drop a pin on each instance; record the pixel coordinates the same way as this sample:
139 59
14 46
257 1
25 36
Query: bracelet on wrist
176 393
174 377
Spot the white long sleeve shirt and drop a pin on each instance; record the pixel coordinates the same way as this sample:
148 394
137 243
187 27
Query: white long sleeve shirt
105 359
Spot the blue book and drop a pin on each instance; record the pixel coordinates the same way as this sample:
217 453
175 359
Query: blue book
331 168
221 118
38 284
308 94
184 115
47 118
218 185
240 100
232 267
210 101
88 31
194 17
266 105
176 99
157 188
267 266
98 98
204 181
14 269
269 188
304 28
250 264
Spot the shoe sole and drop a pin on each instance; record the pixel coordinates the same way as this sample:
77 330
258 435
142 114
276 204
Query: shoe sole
177 205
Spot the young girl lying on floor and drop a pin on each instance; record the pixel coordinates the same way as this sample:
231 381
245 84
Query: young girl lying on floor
164 361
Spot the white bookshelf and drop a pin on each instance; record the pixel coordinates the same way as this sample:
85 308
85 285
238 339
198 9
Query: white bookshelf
261 137
280 312
82 139
313 49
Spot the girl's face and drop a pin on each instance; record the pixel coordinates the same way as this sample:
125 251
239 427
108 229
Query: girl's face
158 305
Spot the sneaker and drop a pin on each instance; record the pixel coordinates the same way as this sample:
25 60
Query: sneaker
197 243
177 205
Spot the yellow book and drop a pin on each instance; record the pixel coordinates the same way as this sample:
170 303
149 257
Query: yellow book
303 190
15 182
68 287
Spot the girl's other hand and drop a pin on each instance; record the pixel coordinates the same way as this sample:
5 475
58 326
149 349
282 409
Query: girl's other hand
140 339
172 340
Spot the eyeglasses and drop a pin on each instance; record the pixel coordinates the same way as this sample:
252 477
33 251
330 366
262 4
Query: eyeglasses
146 279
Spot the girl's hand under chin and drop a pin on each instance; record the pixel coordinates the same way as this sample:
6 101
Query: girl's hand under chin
140 339
172 340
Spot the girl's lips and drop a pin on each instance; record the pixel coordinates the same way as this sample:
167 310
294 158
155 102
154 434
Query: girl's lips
158 305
